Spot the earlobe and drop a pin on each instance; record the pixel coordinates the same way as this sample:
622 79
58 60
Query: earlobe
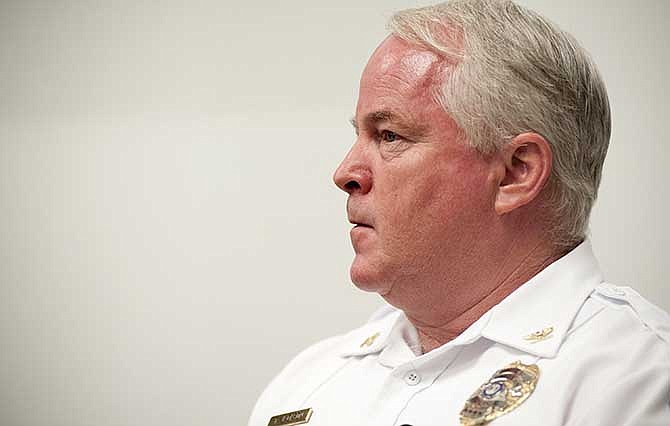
527 161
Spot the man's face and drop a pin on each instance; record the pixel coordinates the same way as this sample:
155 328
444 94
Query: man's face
419 197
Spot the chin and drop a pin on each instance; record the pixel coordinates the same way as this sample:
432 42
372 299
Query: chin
368 278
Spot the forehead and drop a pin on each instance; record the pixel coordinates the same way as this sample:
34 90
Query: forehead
399 77
395 57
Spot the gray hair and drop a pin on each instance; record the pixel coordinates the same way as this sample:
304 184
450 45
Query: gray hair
512 71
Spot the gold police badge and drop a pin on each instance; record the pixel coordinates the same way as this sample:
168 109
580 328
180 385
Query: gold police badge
507 389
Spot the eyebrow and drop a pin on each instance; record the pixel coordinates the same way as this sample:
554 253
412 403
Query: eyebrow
375 117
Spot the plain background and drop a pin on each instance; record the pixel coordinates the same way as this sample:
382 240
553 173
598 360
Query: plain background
170 236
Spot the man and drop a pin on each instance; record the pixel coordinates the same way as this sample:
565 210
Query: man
481 133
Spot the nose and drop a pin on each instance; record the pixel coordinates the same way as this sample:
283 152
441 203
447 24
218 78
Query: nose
353 175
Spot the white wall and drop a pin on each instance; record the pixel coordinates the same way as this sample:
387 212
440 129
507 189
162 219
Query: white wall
169 234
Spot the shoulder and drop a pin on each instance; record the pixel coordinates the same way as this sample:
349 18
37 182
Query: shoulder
617 333
617 355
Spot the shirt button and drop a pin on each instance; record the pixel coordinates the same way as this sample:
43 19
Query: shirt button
412 378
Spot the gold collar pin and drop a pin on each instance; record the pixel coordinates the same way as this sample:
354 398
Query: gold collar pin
370 340
541 335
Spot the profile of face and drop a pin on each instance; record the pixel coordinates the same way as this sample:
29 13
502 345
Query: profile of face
420 199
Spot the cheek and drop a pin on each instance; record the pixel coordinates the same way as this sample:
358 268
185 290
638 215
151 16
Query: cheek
447 200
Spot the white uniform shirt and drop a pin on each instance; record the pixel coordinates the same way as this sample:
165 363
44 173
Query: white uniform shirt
605 363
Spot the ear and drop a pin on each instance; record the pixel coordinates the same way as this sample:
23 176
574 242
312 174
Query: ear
527 163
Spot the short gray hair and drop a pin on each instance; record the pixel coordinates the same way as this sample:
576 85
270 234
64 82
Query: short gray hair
512 71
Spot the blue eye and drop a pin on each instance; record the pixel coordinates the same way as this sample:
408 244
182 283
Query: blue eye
388 136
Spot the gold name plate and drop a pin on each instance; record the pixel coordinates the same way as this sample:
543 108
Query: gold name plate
291 419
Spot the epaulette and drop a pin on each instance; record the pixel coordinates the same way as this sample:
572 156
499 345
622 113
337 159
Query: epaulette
653 317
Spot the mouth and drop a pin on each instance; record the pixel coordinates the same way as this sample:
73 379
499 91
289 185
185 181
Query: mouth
361 225
358 224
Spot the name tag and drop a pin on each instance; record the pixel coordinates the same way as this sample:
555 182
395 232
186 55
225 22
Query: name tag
291 419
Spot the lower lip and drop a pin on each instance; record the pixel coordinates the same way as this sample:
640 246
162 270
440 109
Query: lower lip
360 228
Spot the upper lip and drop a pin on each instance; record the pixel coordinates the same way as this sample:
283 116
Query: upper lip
356 220
357 215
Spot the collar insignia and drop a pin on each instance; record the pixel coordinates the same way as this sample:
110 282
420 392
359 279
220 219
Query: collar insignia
541 335
506 389
370 340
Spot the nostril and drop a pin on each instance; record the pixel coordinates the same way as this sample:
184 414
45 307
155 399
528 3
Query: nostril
352 185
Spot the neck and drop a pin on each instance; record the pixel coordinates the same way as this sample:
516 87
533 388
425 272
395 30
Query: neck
517 267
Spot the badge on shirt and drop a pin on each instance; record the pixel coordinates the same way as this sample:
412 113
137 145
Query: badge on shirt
291 419
507 389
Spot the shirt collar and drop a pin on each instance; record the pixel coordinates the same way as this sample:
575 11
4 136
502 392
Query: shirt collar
548 301
546 304
373 336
